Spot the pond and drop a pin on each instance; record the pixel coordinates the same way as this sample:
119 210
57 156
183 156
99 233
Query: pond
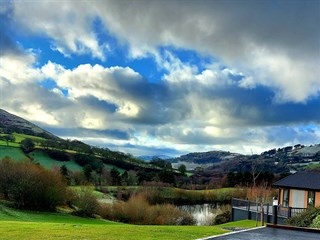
202 213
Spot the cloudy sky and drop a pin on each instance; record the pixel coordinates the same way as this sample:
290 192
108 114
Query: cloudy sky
165 77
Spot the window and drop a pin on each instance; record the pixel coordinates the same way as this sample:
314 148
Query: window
285 201
311 197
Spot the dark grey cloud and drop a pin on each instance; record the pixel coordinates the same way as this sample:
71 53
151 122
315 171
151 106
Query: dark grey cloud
7 44
90 133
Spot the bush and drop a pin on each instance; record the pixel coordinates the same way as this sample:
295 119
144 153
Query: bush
30 186
27 145
86 203
223 215
304 219
58 155
316 222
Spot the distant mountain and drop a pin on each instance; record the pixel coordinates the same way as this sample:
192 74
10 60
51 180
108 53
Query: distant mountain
206 157
12 123
150 158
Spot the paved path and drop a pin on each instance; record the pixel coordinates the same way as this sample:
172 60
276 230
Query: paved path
268 234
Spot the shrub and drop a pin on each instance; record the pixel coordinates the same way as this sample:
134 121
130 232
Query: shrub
223 215
30 186
58 155
27 145
316 222
86 203
304 219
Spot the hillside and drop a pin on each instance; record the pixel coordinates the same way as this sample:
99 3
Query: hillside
50 150
206 157
11 123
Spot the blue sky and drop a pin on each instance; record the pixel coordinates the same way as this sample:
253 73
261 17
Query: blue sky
165 77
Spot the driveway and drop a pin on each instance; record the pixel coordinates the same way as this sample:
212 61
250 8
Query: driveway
267 233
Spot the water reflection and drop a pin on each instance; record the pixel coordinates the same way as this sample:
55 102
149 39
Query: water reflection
202 213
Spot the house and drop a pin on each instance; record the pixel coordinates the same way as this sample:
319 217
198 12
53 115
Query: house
299 190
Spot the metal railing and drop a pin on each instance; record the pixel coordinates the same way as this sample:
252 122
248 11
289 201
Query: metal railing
285 212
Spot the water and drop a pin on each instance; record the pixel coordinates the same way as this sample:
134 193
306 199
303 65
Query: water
202 213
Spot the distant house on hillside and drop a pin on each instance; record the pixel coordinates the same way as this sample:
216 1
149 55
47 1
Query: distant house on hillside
300 190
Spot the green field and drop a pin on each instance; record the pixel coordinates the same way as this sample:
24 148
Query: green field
19 137
12 152
47 162
22 225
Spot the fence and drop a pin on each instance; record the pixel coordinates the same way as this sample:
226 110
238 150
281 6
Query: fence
245 209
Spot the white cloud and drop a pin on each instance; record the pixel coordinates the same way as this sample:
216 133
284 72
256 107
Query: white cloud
107 84
68 23
18 69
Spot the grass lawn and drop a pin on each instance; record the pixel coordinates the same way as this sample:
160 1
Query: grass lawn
240 224
70 231
23 225
12 152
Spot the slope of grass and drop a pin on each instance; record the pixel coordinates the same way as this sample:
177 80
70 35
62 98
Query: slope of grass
9 214
12 152
9 144
22 225
19 137
47 162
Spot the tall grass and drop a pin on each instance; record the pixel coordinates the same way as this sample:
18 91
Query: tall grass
137 210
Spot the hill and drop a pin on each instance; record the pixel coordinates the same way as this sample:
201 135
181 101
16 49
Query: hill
10 123
206 157
50 150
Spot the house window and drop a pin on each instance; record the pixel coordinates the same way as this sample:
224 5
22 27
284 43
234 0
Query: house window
285 201
311 196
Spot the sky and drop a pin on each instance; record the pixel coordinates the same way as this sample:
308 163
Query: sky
151 77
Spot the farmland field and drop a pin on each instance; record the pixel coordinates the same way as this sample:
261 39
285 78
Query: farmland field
12 152
47 162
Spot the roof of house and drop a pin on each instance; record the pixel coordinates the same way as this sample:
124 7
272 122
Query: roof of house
301 180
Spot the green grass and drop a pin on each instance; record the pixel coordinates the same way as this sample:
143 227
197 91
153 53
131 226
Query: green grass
47 162
12 152
23 225
9 214
66 231
240 224
110 166
9 144
312 166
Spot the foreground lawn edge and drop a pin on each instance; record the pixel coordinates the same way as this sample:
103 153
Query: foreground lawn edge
16 230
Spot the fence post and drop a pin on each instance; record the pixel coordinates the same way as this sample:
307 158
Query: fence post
275 214
268 218
249 213
289 212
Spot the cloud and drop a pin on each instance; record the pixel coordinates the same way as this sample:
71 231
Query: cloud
262 79
274 44
69 24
